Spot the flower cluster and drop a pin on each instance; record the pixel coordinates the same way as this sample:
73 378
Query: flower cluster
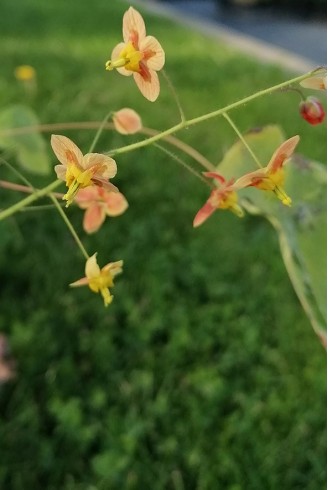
87 177
270 178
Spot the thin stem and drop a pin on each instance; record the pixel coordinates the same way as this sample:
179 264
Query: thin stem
207 116
22 188
98 133
42 207
69 226
242 139
37 194
175 95
16 172
181 162
95 124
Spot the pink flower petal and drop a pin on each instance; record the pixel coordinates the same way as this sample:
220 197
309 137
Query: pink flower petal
61 171
116 204
204 213
149 88
87 196
216 176
107 166
134 29
65 150
282 154
93 218
80 282
249 179
104 184
153 53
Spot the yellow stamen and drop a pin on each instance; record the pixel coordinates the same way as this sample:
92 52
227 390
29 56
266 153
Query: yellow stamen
76 179
129 58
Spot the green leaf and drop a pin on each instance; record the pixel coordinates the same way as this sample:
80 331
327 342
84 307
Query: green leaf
301 228
29 148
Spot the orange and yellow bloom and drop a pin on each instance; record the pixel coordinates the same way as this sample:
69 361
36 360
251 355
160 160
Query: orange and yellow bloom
99 203
100 280
80 171
224 197
271 177
139 55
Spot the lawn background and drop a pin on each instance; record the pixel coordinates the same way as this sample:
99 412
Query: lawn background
204 373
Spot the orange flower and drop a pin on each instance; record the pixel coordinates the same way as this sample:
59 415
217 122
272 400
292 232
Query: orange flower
80 171
271 177
139 55
225 197
127 121
99 203
100 280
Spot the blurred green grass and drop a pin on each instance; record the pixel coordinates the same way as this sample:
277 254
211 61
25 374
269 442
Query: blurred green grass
204 373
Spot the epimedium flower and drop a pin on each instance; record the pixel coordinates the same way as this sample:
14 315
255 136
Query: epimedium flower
99 203
224 197
312 111
317 82
100 280
127 121
80 171
271 177
139 55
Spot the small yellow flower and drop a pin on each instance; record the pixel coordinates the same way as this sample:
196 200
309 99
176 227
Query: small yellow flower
25 73
271 177
100 280
80 171
139 55
224 197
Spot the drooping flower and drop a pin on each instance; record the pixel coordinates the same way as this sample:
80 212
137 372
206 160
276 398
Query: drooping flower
271 177
139 55
312 111
317 82
100 280
99 203
224 197
127 121
80 171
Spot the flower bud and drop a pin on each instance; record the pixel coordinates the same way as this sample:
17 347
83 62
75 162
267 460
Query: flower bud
312 111
127 121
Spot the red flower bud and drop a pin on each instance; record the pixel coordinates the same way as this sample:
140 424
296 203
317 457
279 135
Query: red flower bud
312 111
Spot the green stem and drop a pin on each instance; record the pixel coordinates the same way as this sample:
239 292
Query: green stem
205 117
242 139
29 199
16 172
69 226
175 95
98 133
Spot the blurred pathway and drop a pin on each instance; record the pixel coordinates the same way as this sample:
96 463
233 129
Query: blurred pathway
296 43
